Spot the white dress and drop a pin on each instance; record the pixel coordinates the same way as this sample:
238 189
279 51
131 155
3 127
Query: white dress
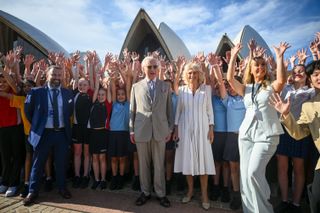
194 114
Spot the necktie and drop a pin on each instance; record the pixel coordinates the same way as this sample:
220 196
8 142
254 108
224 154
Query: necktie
55 93
151 89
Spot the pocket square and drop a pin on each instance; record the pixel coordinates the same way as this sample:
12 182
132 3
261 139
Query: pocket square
70 100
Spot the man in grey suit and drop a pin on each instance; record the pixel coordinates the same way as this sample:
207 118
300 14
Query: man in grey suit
151 123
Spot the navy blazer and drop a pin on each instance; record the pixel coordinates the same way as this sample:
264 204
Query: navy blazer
36 110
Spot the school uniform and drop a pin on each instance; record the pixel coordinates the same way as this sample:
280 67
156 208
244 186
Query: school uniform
11 145
98 139
235 114
289 146
119 137
220 128
81 113
308 123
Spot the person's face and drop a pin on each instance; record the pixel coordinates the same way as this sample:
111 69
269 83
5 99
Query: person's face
121 95
193 76
4 86
102 95
55 77
150 68
258 68
27 87
299 75
315 79
83 86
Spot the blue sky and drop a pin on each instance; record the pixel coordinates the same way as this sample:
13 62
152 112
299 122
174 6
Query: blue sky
102 25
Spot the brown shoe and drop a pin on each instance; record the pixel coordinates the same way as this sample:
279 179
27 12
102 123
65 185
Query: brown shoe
65 193
30 199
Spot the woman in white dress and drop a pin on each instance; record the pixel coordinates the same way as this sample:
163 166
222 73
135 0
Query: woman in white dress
194 128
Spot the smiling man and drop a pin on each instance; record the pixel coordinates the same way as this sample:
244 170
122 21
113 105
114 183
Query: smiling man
49 109
151 123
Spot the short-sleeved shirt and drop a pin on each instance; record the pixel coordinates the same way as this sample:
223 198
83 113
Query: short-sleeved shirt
18 102
235 112
8 114
220 114
297 98
120 116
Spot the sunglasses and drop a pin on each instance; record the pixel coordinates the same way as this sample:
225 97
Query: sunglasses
152 66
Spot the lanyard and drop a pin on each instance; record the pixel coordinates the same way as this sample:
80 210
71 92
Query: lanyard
254 94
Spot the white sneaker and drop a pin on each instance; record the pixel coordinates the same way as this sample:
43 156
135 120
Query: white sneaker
12 191
3 189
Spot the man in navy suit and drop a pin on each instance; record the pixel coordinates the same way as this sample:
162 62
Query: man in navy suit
49 109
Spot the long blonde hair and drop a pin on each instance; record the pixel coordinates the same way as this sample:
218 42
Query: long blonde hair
248 77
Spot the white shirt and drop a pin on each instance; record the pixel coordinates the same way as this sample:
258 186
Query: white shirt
49 123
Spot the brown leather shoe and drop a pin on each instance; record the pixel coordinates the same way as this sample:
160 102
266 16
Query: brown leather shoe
30 199
65 193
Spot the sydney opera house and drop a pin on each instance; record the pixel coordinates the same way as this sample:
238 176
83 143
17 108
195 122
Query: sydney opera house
142 37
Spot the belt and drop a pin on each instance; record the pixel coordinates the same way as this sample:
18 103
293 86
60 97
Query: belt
55 129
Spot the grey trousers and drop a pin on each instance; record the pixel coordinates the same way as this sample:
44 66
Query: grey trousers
254 157
152 151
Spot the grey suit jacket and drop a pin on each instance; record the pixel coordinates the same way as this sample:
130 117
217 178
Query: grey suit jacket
150 118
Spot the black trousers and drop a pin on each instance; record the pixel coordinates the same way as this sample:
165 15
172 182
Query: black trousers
314 193
12 151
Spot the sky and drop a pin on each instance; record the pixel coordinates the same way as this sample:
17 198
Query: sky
102 25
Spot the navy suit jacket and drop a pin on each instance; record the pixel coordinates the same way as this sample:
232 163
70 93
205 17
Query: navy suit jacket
36 110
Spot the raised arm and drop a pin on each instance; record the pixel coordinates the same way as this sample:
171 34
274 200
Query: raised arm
281 74
96 89
297 129
181 61
236 85
218 76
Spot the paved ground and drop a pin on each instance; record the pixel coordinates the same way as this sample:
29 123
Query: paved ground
87 200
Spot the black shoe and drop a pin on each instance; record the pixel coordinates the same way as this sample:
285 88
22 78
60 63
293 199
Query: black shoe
120 182
164 202
48 185
236 201
30 199
282 207
225 195
103 185
65 193
215 193
25 191
293 209
136 183
85 182
142 199
114 183
95 185
76 182
168 187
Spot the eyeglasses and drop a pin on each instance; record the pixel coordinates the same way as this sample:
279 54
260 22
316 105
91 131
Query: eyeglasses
152 66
